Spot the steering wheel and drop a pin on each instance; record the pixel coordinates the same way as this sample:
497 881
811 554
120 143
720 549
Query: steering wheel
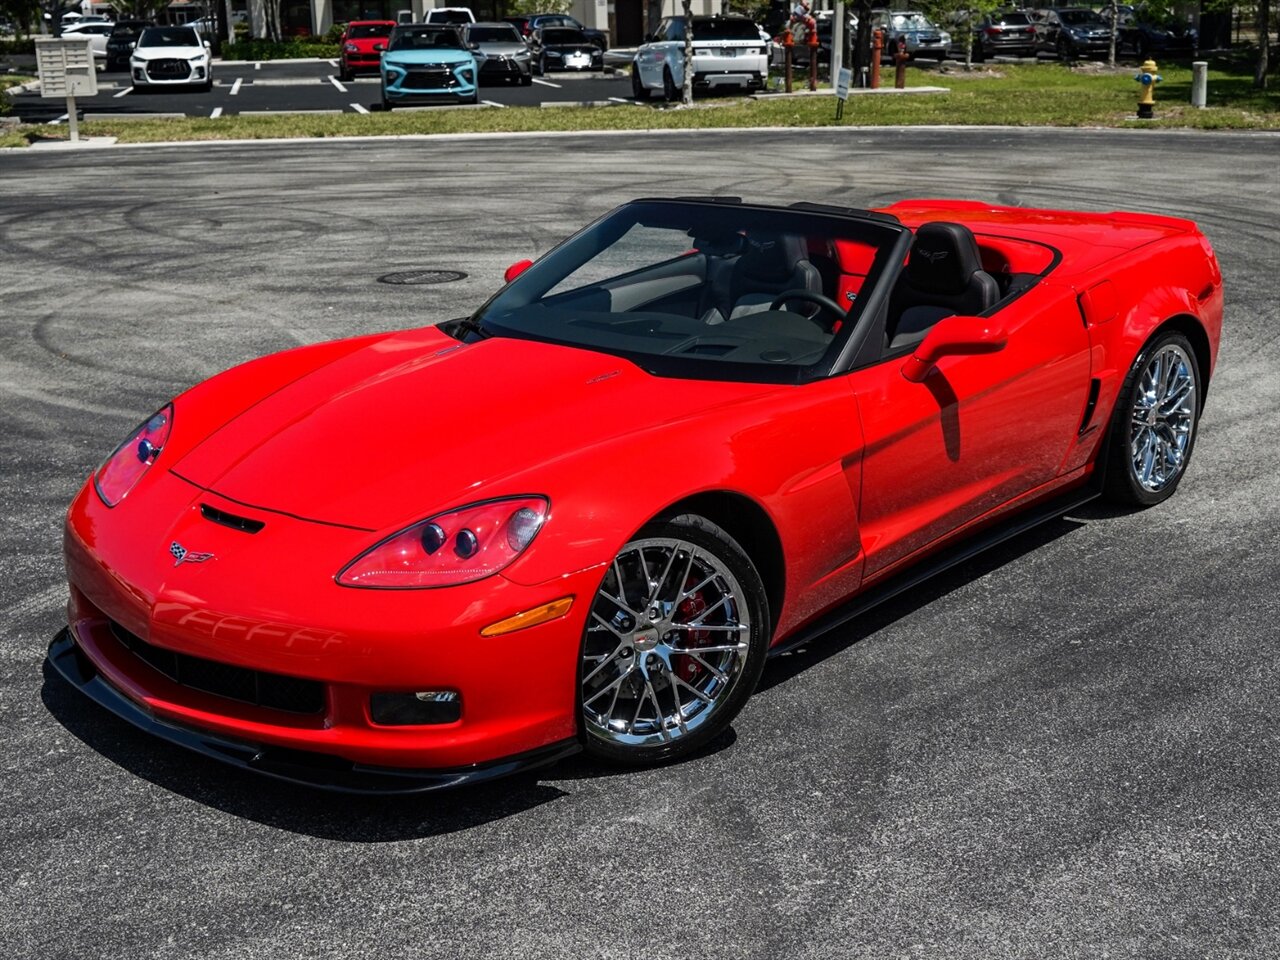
824 304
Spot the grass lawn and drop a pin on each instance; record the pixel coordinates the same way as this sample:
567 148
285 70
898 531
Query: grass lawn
1045 94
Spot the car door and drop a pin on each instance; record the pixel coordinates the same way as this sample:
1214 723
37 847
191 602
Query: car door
651 57
976 434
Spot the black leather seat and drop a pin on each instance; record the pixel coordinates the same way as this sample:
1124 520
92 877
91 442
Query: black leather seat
943 278
769 265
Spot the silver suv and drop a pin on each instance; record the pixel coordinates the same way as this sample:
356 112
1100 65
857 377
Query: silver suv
727 52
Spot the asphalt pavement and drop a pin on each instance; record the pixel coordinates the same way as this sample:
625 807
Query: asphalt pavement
1067 749
291 86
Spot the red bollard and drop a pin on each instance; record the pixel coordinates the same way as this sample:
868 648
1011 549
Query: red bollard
900 61
877 51
787 43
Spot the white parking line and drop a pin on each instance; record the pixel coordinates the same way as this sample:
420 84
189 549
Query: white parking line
546 83
57 121
334 80
125 92
258 65
359 108
217 112
493 103
333 63
235 87
620 100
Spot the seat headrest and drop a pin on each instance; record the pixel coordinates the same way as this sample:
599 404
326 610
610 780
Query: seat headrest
943 258
772 257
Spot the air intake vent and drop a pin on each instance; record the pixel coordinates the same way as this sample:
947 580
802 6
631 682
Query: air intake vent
243 524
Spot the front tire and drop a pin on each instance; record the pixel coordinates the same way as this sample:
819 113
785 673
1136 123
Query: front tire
674 644
1153 428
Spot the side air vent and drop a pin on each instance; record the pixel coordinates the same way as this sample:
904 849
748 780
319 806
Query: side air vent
243 524
1091 404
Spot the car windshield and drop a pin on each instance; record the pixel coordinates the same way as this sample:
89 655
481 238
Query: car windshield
563 35
725 30
362 31
424 38
695 289
128 30
168 37
448 16
493 35
911 21
1077 18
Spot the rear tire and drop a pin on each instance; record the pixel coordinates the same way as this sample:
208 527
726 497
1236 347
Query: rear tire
638 89
641 699
669 89
1154 425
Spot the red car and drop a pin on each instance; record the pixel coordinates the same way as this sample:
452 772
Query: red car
362 45
696 433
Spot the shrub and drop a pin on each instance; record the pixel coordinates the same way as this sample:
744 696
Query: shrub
295 49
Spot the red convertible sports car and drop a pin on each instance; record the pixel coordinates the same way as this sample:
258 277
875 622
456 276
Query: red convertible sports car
697 432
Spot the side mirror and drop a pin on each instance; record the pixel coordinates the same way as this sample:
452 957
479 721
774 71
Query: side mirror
206 45
517 268
953 337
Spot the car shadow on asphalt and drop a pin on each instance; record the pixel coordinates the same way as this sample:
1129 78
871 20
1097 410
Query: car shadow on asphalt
285 806
787 666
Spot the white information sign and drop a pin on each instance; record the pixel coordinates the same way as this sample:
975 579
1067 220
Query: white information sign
843 79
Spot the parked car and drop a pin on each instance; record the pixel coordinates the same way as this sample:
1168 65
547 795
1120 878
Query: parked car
429 63
362 44
1147 34
454 15
923 39
563 48
506 55
171 56
1008 33
120 42
727 52
531 23
97 32
698 433
1072 32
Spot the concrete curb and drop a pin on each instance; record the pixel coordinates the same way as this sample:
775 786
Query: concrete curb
855 130
31 86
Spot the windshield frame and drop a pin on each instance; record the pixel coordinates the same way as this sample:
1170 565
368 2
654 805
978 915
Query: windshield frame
845 347
171 37
425 29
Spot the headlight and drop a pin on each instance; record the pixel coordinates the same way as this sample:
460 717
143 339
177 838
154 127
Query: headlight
522 55
125 467
452 548
946 37
351 48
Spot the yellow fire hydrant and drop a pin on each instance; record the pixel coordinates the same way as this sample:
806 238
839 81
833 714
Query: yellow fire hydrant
1148 78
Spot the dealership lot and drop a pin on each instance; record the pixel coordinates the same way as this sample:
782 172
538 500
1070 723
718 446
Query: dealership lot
285 86
1067 749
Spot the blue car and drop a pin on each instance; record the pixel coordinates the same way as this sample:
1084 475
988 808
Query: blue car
428 63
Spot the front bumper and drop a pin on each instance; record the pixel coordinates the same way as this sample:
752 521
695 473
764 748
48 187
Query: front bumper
310 769
266 607
148 76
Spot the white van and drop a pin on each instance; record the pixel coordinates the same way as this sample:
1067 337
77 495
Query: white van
449 15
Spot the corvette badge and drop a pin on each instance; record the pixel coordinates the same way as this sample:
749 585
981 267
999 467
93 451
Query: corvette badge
182 555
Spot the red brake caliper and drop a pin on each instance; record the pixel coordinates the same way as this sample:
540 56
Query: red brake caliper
688 610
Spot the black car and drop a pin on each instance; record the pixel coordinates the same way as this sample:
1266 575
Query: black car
529 24
123 38
1072 33
1009 33
1147 37
564 48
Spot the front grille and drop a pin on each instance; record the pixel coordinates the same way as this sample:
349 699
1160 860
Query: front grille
439 79
168 69
272 690
493 66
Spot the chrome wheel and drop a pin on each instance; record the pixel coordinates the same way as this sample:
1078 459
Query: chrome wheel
1163 418
667 643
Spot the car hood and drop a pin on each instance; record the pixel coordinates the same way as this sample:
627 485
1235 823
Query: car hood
367 44
417 422
168 53
439 55
502 49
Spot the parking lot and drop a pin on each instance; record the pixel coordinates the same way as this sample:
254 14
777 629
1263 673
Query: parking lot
283 86
1067 749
